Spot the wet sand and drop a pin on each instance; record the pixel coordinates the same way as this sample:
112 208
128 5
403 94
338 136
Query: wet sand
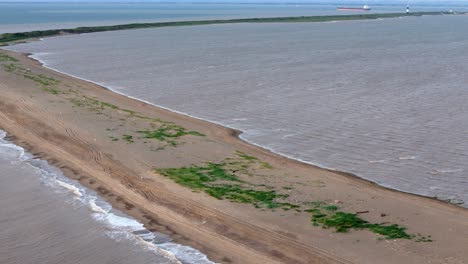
43 221
57 126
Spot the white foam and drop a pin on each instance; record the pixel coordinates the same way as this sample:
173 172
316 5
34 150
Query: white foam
442 171
70 187
7 147
165 253
123 222
185 254
95 208
119 226
407 158
376 161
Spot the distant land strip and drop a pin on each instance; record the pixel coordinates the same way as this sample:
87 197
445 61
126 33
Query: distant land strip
12 37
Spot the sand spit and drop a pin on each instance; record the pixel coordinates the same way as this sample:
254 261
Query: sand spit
112 144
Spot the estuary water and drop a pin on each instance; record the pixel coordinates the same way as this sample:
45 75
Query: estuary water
28 16
386 100
47 218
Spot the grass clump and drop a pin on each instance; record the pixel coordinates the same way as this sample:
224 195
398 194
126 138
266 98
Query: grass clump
41 79
328 216
252 159
245 156
113 138
168 133
51 90
423 238
236 193
128 138
10 67
161 130
46 83
330 207
389 231
6 58
220 181
92 103
341 221
198 177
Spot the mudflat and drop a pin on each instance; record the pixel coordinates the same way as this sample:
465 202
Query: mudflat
199 183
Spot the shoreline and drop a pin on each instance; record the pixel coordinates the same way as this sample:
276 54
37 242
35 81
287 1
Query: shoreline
102 213
136 207
237 135
7 38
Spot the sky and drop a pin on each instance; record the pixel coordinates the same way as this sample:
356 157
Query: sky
255 1
369 2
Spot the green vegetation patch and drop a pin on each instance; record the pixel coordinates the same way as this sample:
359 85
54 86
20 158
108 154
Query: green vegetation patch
128 138
220 181
327 216
85 101
41 79
389 231
113 138
160 130
47 84
6 58
420 238
341 221
246 157
168 132
10 67
252 159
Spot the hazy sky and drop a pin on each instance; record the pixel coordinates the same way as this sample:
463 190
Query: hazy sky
369 2
254 1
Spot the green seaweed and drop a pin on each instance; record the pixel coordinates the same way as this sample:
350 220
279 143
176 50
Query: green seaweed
342 222
330 207
389 231
220 181
168 133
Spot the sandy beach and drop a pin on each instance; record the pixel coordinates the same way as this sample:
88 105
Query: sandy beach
115 145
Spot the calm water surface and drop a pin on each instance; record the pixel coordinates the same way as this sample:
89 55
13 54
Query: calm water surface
386 99
19 17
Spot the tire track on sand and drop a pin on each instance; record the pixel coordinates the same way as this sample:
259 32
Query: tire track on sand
64 143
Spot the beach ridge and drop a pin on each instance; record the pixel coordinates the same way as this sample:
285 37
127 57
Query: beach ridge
88 132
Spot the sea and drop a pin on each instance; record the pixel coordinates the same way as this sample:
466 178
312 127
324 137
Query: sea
23 16
384 99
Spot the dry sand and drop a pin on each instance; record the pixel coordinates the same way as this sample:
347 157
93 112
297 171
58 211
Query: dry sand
63 124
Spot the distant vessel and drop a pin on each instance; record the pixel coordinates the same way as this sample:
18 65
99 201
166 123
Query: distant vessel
364 8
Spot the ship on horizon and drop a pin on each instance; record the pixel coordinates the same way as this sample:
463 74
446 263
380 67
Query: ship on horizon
364 8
